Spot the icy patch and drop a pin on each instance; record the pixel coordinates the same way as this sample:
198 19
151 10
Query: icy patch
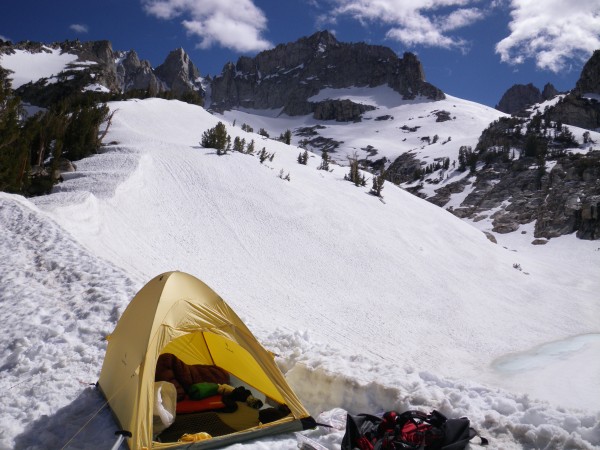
541 370
544 354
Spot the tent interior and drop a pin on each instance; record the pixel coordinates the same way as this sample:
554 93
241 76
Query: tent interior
215 407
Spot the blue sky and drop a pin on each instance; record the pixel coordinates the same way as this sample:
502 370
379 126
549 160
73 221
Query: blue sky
474 49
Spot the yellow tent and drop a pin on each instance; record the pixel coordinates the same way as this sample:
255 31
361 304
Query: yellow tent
179 314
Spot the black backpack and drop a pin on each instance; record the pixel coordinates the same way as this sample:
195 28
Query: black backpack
411 430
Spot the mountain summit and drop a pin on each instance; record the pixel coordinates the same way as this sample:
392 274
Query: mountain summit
288 75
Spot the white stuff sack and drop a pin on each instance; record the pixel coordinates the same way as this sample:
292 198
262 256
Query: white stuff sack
165 403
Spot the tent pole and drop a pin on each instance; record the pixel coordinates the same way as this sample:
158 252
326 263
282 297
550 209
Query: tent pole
122 435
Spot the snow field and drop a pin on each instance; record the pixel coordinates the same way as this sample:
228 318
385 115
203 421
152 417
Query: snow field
370 305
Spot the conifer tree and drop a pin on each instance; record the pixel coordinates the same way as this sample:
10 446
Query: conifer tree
14 159
286 137
303 157
324 161
378 183
263 155
250 148
216 138
237 144
228 145
354 174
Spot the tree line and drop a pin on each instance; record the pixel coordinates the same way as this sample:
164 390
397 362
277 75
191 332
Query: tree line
33 147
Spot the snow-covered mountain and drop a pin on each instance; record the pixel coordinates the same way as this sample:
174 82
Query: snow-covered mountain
44 73
371 304
364 102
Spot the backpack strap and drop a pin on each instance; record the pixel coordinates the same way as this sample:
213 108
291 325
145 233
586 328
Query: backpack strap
473 433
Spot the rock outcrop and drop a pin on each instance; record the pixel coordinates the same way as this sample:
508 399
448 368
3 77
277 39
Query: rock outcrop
563 201
549 92
136 74
340 110
581 107
589 80
578 111
179 73
289 75
519 97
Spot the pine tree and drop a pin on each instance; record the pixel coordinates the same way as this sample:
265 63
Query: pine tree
354 175
378 183
286 137
324 161
303 157
14 152
228 145
237 144
250 148
263 155
216 138
467 158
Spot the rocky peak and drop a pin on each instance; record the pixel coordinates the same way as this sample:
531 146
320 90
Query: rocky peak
589 80
131 60
549 92
519 97
289 74
136 74
179 72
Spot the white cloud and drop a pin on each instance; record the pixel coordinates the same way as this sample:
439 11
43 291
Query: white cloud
414 22
79 28
234 24
554 33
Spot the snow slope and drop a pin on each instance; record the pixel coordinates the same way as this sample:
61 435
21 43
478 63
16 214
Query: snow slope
30 67
371 304
382 128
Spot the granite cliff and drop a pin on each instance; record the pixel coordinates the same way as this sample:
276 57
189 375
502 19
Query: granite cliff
287 76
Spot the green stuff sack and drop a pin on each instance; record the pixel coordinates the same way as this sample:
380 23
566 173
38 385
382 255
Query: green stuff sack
199 391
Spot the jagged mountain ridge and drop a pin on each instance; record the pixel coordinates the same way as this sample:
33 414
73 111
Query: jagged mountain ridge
289 75
100 68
